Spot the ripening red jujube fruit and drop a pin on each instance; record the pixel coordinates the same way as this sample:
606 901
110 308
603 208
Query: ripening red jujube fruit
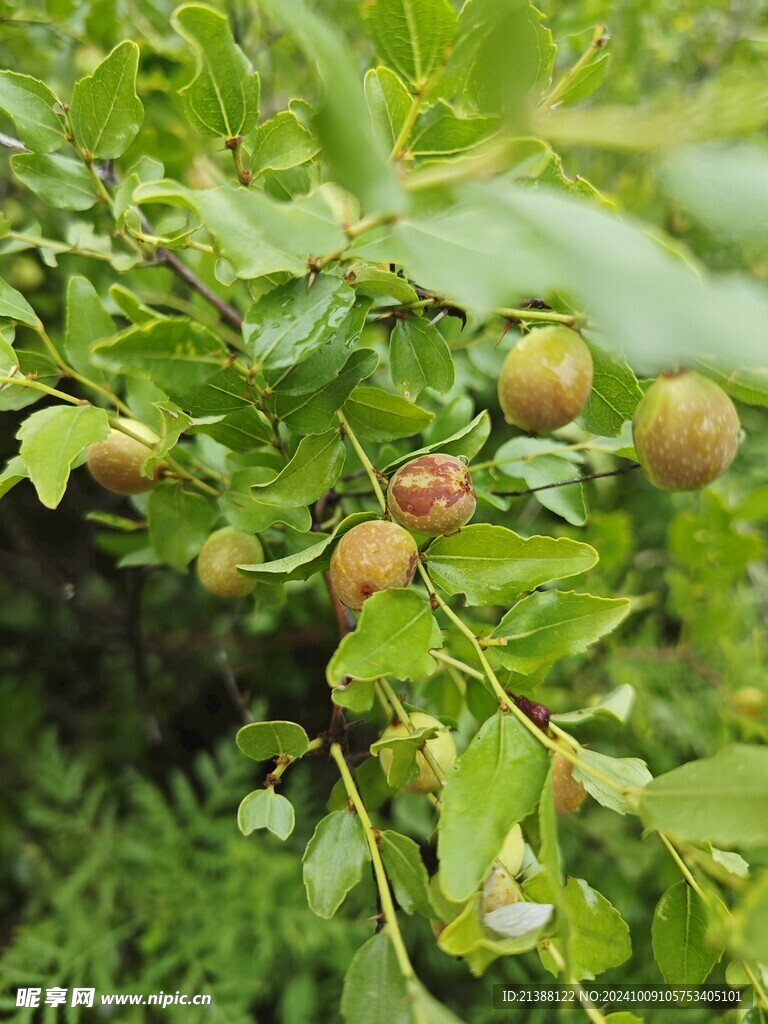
219 558
432 494
545 380
686 432
372 556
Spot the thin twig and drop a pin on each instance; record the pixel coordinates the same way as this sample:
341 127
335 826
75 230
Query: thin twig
233 689
565 483
229 313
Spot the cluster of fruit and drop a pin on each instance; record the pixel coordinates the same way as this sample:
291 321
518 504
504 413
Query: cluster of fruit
685 432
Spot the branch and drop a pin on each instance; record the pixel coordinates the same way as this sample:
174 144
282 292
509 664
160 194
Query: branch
565 483
227 312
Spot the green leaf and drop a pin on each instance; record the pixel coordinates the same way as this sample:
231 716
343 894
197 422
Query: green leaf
376 415
626 772
314 468
402 766
290 323
587 80
179 523
614 397
411 36
749 926
521 460
225 392
679 933
471 830
280 143
466 442
375 281
549 848
721 799
388 101
53 439
597 936
355 154
15 471
305 563
466 936
617 704
260 236
733 863
406 872
87 322
334 861
492 565
442 132
749 386
265 740
419 358
374 989
29 103
393 638
242 431
60 182
223 97
14 306
31 363
264 808
106 113
546 626
176 354
308 413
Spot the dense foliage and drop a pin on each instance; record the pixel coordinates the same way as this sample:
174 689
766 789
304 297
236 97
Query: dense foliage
377 361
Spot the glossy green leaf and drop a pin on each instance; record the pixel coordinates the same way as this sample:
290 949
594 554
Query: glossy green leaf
393 638
376 281
466 442
442 132
587 80
309 413
179 523
597 936
411 36
13 473
388 101
614 397
290 323
14 306
264 808
721 799
374 989
471 831
223 393
241 431
491 565
280 143
628 773
59 181
305 563
549 849
419 358
465 936
223 97
749 386
546 626
334 861
314 468
87 323
679 933
176 354
355 153
520 458
105 112
53 439
617 705
377 415
31 106
265 740
406 872
33 363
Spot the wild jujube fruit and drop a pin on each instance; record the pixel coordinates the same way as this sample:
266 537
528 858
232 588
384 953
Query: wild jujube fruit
569 794
372 556
219 558
432 495
685 431
545 380
116 462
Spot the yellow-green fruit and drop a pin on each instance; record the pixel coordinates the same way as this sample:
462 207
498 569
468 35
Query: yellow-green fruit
370 557
116 462
219 558
545 380
432 495
513 851
569 794
685 431
442 748
499 889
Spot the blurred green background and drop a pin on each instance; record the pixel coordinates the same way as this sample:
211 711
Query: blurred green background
121 866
